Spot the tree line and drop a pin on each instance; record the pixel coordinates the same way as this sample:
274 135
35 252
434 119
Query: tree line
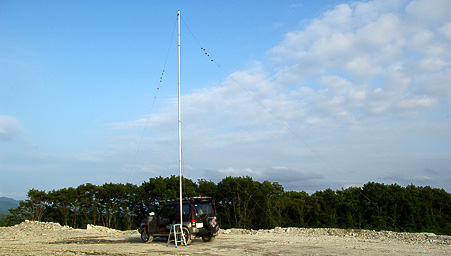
241 202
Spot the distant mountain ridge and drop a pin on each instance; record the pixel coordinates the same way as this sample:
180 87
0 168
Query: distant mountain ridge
7 203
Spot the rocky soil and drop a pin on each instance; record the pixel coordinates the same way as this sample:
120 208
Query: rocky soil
40 238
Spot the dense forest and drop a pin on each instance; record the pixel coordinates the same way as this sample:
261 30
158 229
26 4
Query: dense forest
245 203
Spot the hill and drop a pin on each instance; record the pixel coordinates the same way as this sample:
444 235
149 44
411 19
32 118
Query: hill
5 204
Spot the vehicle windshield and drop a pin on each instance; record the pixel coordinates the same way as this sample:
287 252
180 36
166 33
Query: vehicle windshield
202 209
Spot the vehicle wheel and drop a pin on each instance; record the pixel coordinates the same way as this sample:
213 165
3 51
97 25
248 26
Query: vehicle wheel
146 237
208 238
187 235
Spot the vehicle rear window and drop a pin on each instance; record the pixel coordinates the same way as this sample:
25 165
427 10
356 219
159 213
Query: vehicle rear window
202 209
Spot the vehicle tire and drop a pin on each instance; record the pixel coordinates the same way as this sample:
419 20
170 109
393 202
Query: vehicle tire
208 238
146 237
211 222
187 235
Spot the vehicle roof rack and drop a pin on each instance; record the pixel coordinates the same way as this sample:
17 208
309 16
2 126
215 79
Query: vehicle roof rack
191 199
200 198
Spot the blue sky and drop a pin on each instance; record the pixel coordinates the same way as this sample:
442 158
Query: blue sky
312 94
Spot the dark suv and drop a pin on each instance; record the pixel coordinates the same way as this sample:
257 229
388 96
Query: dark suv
199 220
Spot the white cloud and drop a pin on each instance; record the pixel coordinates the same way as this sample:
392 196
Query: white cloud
374 49
429 11
380 33
418 103
446 30
9 127
433 64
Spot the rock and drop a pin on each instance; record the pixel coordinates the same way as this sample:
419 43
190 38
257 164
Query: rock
430 234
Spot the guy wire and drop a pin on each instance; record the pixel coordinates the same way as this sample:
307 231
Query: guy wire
153 102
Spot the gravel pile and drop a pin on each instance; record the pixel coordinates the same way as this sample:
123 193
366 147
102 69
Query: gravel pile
413 238
38 226
32 230
101 229
28 228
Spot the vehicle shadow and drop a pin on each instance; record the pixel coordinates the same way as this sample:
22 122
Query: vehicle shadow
137 239
159 240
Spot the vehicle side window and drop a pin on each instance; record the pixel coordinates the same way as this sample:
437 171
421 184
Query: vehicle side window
168 211
186 209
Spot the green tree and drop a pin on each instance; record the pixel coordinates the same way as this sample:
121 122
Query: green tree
62 201
36 203
294 209
376 195
270 204
88 202
349 208
238 198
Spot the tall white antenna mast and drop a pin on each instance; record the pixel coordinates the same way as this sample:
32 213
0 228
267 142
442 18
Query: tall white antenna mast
180 123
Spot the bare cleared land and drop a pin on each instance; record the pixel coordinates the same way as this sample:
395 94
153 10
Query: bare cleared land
40 238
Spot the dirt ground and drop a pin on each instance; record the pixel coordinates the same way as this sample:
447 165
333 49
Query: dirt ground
40 238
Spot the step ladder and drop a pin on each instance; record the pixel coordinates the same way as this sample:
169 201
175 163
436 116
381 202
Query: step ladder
176 235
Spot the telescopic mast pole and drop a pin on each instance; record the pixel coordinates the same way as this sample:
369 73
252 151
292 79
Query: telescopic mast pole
180 121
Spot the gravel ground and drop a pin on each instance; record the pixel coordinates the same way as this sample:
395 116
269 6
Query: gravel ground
43 238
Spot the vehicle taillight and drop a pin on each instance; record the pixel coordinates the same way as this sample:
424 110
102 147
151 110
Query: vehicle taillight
193 223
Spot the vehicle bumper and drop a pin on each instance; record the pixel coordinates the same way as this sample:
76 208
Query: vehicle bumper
202 231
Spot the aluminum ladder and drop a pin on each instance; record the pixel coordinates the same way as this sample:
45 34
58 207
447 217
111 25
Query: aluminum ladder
176 235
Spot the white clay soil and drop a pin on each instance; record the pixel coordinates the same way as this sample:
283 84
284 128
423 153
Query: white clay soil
40 238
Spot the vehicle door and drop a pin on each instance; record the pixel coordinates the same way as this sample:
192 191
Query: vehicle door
165 217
